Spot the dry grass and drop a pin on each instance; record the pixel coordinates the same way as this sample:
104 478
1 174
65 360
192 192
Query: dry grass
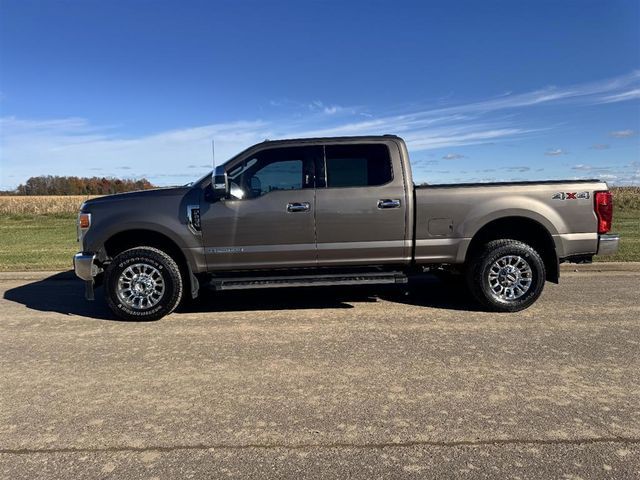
41 205
626 198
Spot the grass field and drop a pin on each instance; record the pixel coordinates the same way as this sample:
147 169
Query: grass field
627 224
37 242
30 241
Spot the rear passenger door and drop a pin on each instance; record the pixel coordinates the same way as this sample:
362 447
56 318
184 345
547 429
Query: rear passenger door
361 206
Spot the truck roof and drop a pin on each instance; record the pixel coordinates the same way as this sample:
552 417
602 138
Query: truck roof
357 138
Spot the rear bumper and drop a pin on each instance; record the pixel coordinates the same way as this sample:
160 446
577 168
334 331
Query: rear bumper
608 244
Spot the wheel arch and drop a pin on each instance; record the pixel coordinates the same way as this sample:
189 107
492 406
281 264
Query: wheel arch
126 239
520 228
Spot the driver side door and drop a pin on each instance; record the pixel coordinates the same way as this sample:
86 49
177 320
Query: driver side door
269 221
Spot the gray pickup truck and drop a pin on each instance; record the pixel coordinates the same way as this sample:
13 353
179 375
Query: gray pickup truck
335 211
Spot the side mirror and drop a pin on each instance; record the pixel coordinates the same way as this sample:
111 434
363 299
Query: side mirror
219 183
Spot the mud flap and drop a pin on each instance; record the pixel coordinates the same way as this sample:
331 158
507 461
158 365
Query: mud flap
88 290
195 285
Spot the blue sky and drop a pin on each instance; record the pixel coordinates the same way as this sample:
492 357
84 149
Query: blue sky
492 90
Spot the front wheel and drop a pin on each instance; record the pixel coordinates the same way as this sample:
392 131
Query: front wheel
143 283
506 276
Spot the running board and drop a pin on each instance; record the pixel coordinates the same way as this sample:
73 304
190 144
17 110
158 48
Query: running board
240 283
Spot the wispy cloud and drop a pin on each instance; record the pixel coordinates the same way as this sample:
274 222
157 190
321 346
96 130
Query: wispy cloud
60 146
555 152
452 156
618 174
617 89
318 105
67 146
622 96
582 167
623 133
314 106
599 146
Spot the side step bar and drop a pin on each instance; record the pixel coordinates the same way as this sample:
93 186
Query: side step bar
240 283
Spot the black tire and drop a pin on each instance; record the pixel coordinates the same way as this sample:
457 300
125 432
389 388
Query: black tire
478 282
165 267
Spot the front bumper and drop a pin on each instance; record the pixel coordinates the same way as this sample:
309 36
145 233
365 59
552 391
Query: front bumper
86 269
84 266
608 244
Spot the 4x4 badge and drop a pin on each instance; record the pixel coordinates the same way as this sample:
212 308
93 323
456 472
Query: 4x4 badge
571 196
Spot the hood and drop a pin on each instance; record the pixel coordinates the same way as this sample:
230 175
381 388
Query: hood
134 196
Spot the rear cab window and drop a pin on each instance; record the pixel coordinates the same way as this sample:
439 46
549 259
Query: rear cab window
357 165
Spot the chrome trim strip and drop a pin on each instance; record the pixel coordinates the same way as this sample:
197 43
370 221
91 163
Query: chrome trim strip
356 245
261 248
439 242
308 246
608 244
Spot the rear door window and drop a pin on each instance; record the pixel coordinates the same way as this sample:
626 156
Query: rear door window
361 165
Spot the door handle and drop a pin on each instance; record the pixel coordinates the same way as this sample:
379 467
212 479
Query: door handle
298 207
388 203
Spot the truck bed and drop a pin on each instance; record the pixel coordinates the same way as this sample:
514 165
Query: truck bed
448 216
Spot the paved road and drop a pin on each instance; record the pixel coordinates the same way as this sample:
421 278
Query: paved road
323 384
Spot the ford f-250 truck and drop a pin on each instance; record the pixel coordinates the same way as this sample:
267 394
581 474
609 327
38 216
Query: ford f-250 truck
332 211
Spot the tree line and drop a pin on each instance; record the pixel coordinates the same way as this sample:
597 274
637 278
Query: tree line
55 185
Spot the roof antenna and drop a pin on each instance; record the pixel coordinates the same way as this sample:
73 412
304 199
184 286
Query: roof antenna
213 154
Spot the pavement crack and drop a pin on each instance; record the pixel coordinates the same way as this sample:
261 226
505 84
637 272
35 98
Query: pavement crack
311 446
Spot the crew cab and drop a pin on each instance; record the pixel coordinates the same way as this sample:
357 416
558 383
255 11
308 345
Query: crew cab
333 211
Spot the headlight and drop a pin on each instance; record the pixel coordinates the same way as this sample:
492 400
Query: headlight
84 222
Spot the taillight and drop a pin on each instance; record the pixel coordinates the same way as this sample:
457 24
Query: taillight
604 210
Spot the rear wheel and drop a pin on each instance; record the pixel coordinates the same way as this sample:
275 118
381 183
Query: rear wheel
506 276
143 283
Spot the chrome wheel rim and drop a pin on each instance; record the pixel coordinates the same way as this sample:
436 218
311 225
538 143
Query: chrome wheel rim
140 286
509 277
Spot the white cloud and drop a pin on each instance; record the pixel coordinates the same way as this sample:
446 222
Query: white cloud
554 152
319 106
599 146
621 97
73 147
76 146
588 93
623 133
331 109
452 156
